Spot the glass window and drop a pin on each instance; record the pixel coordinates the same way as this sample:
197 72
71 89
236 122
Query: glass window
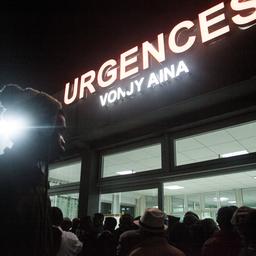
227 198
228 142
194 203
105 208
210 200
67 173
133 202
177 203
249 197
206 195
68 203
132 161
127 209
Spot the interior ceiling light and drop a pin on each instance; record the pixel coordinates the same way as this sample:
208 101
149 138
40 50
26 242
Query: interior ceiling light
237 153
231 202
174 187
126 172
222 199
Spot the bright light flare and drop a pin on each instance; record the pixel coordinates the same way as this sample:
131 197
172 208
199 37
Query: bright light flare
13 126
9 128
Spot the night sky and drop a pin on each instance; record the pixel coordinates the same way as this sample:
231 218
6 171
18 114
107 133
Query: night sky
45 46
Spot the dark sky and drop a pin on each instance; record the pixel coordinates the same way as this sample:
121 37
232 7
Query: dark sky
46 46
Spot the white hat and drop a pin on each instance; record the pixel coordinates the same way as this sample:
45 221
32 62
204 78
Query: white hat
152 221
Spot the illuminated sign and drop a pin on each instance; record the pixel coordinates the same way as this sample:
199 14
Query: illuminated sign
212 23
135 86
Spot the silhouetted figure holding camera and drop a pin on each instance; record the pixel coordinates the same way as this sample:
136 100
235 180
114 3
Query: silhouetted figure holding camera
37 123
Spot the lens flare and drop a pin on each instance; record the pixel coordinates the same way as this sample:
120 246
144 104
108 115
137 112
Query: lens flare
12 126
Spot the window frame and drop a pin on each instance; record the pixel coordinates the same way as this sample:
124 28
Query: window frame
129 147
214 165
64 163
69 188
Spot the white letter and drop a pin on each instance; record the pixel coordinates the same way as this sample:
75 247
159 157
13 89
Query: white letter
237 5
103 99
112 95
152 80
161 75
168 72
129 93
66 99
147 48
124 62
111 73
88 84
139 83
120 93
172 37
205 24
181 68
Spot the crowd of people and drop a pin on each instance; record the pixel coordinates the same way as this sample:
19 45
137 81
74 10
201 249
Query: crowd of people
157 234
30 226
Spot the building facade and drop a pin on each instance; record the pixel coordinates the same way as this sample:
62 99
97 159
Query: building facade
171 124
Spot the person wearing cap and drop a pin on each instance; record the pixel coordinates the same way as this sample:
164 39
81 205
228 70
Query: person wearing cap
152 237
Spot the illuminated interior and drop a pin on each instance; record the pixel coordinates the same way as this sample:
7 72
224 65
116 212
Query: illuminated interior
132 161
206 195
203 196
68 173
132 202
231 141
68 203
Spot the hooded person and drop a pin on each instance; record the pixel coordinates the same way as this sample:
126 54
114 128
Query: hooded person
24 201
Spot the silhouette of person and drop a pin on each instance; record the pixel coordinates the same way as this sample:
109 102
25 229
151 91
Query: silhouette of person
24 202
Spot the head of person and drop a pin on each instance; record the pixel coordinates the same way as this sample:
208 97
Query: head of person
172 220
250 227
190 218
75 223
110 224
239 218
36 120
98 219
56 216
66 224
233 207
126 221
224 216
209 227
152 222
